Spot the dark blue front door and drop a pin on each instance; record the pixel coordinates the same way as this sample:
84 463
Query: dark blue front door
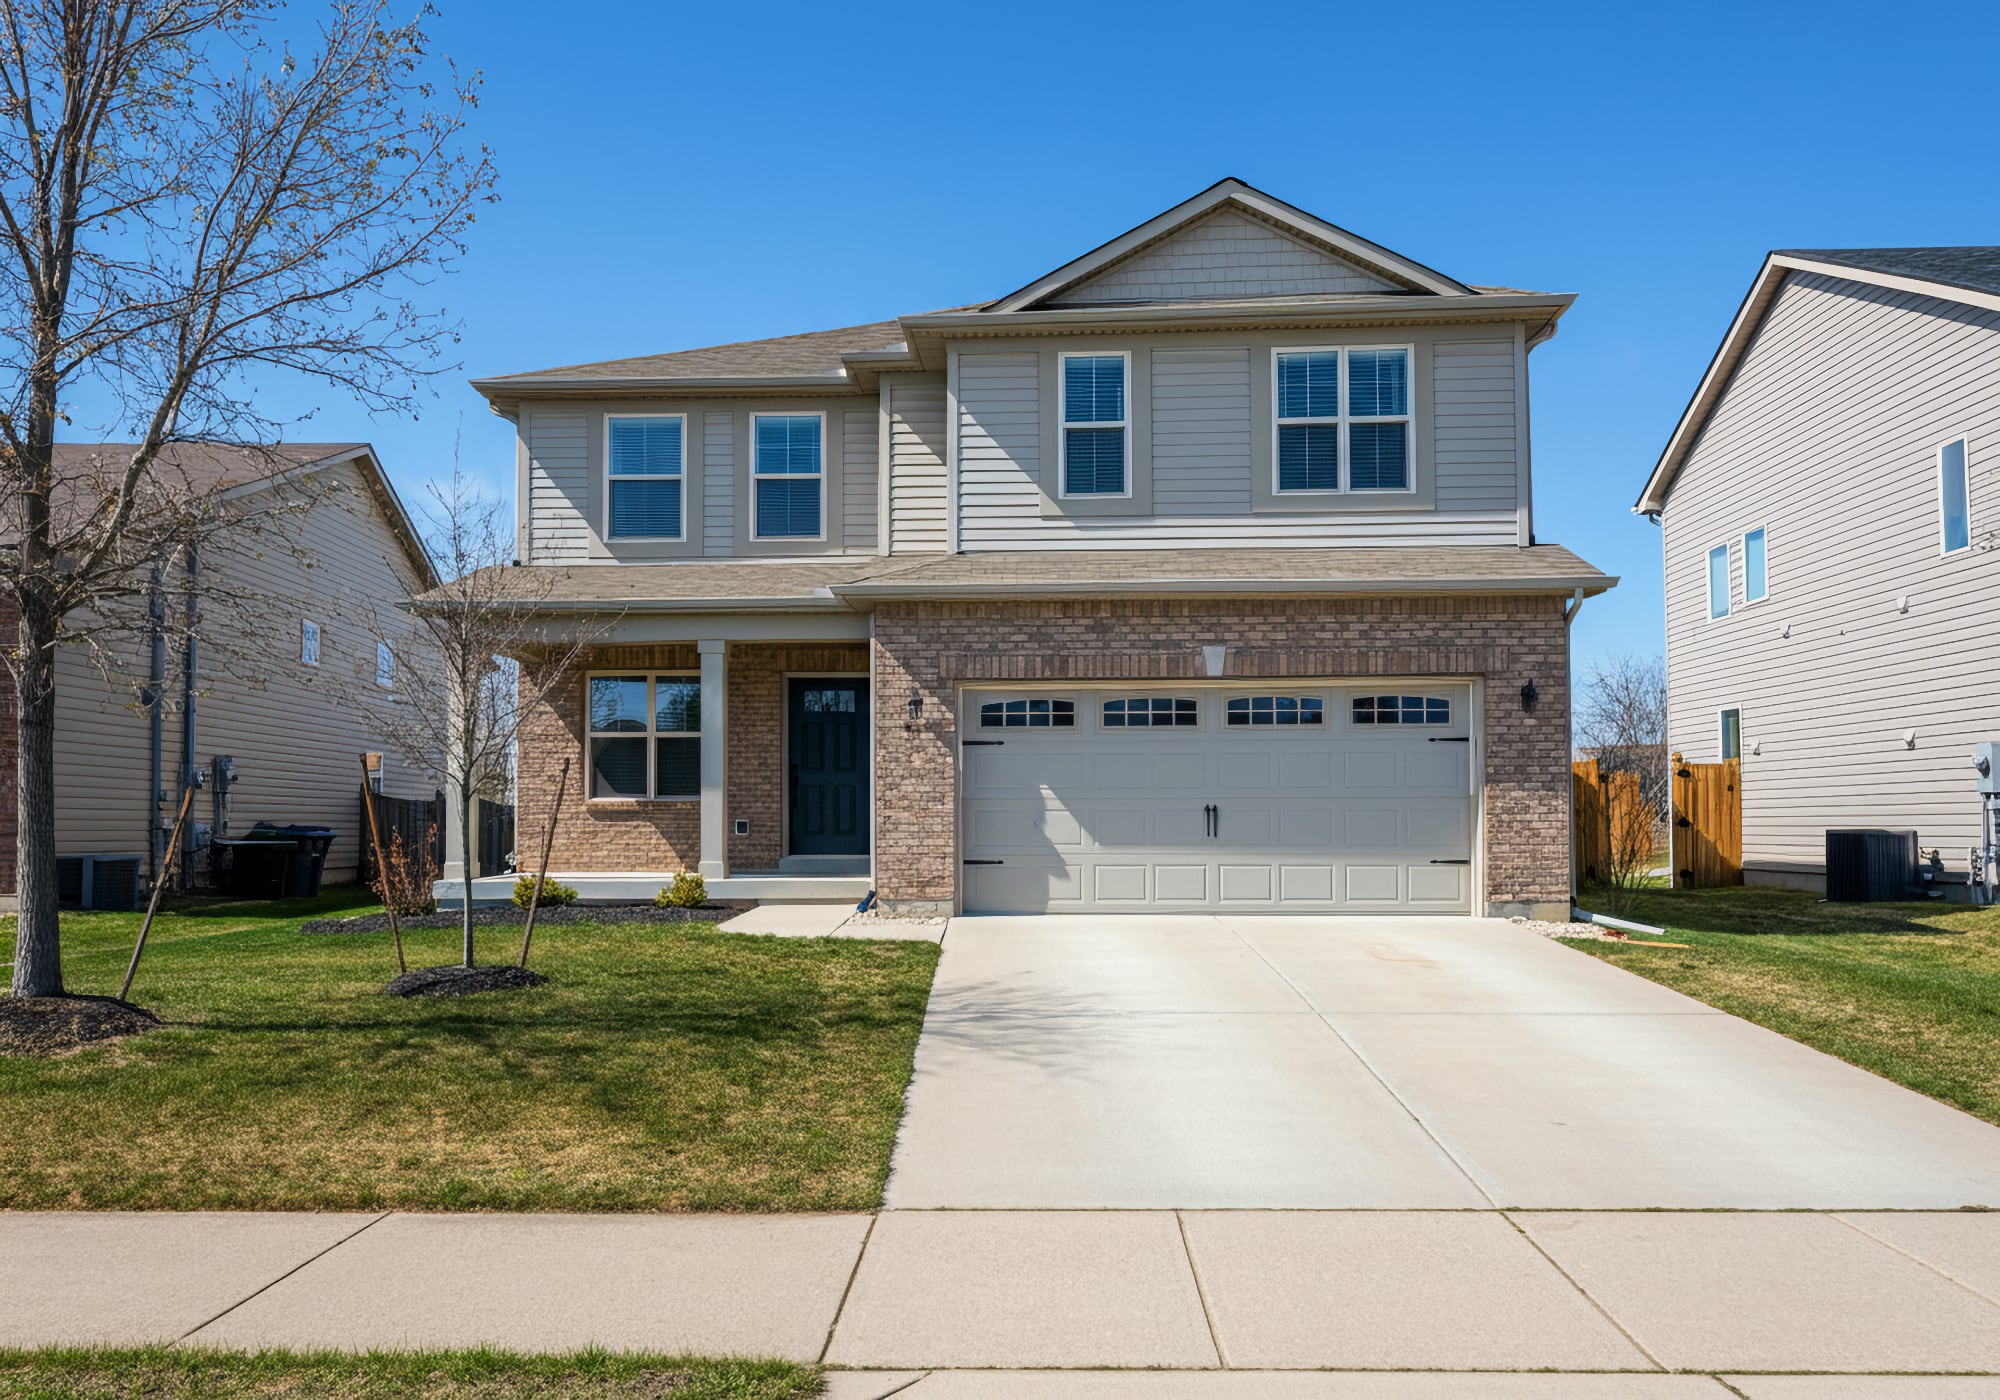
829 767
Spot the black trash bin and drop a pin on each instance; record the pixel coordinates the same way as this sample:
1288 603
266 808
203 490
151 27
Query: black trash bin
258 862
307 866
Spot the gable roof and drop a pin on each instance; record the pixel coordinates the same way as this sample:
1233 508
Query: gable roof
1968 275
784 359
1290 221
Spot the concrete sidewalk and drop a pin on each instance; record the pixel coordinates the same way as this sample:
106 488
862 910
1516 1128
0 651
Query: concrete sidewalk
940 1303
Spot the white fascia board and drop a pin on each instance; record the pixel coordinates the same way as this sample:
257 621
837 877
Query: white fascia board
610 387
1202 588
1496 305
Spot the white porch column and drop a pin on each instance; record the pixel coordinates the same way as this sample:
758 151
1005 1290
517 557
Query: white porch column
714 759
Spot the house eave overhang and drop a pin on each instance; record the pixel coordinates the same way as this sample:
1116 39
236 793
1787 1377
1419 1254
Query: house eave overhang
1742 330
505 395
884 592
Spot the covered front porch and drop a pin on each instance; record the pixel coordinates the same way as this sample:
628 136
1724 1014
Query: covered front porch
736 747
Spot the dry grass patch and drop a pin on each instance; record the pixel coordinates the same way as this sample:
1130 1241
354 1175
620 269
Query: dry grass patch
663 1067
1908 991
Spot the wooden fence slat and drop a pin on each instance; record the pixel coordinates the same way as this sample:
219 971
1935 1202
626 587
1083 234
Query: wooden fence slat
1590 829
1708 823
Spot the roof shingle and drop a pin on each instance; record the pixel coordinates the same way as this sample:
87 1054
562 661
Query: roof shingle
1973 268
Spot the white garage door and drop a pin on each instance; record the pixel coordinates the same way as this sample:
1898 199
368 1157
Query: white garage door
1284 798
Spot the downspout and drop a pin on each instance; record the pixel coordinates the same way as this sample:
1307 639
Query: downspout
1570 610
190 673
156 685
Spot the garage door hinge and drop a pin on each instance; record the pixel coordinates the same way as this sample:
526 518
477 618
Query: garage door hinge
1451 862
980 743
983 862
1449 739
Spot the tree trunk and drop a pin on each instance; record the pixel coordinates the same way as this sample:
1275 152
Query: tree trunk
38 939
465 864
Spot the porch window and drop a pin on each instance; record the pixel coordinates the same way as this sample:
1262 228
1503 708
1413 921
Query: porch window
789 476
645 737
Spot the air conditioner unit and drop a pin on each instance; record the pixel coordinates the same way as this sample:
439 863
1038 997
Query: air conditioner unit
1867 865
110 883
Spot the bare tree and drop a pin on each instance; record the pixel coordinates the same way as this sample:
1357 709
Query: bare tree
1621 722
474 656
186 205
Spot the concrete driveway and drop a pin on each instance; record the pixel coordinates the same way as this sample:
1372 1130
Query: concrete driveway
1306 1062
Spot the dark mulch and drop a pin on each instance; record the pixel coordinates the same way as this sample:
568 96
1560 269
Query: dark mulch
564 914
43 1026
456 980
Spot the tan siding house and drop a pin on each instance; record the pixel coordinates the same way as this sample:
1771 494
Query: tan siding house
1851 630
292 726
1199 573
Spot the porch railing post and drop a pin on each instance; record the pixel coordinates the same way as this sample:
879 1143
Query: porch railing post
714 759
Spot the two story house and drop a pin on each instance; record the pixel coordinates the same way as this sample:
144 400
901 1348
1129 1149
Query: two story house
1831 582
1198 574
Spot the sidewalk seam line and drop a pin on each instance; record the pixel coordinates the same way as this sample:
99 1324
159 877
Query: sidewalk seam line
1362 1060
266 1288
1582 1292
840 1308
1917 1259
1201 1293
914 1380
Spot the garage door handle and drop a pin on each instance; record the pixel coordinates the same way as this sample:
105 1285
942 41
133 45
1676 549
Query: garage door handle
1451 862
983 862
980 743
1448 739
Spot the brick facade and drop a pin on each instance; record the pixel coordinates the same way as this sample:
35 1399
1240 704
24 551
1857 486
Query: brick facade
666 836
1508 641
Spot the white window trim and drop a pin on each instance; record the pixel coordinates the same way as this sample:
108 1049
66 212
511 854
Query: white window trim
1743 544
1708 581
1063 425
1344 420
653 678
385 664
317 636
1720 711
1937 458
756 533
680 480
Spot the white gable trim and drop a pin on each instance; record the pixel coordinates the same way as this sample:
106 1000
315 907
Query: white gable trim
1296 222
1770 278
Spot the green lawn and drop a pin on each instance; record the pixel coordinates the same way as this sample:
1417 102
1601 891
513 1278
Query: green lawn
164 1374
1909 991
664 1067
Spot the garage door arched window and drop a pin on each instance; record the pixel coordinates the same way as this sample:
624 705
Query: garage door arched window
1402 709
1028 714
1259 710
1151 712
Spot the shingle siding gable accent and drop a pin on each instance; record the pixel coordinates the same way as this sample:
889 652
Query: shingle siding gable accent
1826 436
1228 254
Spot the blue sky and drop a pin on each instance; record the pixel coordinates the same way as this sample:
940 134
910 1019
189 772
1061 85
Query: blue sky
674 176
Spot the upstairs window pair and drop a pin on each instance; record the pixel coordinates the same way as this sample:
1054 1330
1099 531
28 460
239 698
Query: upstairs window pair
646 470
1343 422
1756 573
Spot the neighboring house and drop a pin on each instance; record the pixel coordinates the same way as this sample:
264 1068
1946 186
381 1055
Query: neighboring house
1827 509
1197 574
285 682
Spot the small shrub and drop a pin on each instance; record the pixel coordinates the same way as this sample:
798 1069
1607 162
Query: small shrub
406 876
688 891
555 894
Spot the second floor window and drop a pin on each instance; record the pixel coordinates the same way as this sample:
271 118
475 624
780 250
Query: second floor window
308 641
385 666
1094 426
1954 497
645 460
1756 569
788 475
1344 420
1718 581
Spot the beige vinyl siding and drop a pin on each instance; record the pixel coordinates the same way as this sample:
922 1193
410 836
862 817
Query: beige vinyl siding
1201 415
1228 254
1827 437
916 463
558 484
718 483
861 428
295 731
1475 434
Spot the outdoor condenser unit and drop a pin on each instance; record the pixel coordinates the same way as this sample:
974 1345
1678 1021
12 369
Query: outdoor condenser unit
1867 865
108 882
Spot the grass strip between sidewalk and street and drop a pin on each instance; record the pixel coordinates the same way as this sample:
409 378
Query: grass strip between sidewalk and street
664 1067
162 1373
1908 991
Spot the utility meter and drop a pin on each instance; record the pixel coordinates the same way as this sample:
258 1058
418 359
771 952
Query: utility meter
1986 758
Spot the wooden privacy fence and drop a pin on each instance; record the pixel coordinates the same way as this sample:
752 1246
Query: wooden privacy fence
496 836
1608 815
418 820
1707 823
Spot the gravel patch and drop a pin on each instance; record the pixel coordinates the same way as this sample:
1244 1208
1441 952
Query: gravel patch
878 915
47 1026
503 914
457 980
1555 930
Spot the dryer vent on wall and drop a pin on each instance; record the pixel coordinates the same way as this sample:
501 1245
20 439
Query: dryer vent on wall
104 882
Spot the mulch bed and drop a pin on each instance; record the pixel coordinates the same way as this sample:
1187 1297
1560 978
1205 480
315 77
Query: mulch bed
457 980
503 914
45 1026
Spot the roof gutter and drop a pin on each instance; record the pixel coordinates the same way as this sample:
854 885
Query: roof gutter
866 591
1404 306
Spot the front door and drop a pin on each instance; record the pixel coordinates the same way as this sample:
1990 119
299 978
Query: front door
828 758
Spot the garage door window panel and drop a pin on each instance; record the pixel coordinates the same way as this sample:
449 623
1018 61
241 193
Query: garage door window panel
1151 712
1277 711
1402 710
1028 714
